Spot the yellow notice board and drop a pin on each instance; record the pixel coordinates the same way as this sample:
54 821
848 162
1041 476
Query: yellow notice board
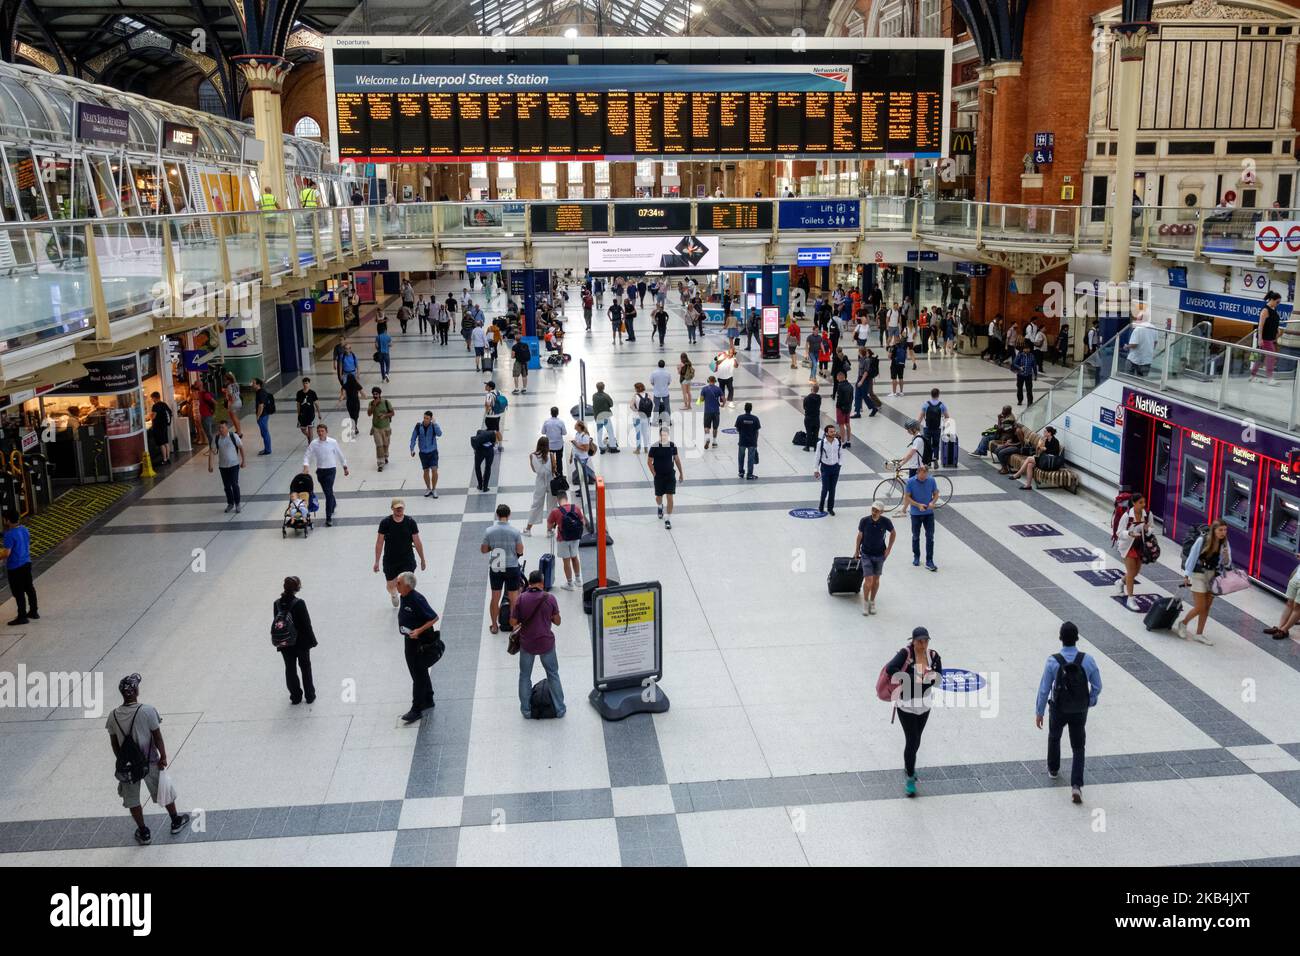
628 635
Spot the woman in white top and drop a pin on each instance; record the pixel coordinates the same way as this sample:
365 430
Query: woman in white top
234 402
583 446
1133 527
640 417
1210 556
686 375
540 462
828 468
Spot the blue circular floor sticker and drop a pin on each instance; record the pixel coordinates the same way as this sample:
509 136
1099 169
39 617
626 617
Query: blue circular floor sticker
954 680
807 513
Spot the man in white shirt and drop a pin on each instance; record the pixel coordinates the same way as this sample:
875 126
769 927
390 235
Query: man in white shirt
914 457
478 342
325 454
894 321
554 430
726 370
1141 347
660 382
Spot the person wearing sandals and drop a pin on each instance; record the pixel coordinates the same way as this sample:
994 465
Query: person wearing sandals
1210 556
1291 612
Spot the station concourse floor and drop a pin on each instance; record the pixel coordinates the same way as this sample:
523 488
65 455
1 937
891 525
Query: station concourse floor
775 750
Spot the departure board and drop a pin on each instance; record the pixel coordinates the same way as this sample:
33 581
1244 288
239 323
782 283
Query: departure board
412 128
588 124
704 122
559 123
618 124
471 123
569 217
501 124
647 120
789 122
440 114
717 216
530 119
895 105
733 122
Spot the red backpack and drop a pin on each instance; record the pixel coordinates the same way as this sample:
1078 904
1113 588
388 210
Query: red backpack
1121 508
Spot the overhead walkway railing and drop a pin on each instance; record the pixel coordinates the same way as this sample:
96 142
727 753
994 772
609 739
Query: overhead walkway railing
1231 378
67 276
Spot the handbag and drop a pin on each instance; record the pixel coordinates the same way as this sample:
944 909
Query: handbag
1048 462
1150 549
1230 582
512 647
431 647
377 358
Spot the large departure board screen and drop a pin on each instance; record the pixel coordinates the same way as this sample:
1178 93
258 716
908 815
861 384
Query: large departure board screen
721 216
569 217
877 101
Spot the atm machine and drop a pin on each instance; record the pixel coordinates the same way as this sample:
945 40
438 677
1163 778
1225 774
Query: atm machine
1194 483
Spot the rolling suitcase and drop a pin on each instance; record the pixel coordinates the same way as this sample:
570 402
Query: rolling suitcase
547 566
1163 614
845 576
948 455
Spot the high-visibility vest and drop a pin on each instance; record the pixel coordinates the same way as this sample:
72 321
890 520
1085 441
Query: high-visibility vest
268 201
308 197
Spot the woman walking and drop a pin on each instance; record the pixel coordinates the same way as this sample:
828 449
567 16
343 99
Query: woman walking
1130 537
234 402
297 656
540 462
1211 556
828 468
686 374
229 452
583 447
913 671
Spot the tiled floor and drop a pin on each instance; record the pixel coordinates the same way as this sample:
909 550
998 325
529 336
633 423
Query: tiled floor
775 750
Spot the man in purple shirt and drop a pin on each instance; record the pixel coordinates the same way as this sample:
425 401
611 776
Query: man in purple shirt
536 611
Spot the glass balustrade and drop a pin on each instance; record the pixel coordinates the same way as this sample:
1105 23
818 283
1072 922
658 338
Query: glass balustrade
1074 387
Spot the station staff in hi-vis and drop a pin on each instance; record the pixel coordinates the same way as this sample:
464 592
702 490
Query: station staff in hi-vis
308 196
267 201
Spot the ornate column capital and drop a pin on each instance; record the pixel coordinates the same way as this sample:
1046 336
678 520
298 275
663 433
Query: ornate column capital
262 72
1131 38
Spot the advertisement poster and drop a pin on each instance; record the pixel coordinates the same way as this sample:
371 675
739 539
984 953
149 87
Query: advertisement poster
653 254
480 217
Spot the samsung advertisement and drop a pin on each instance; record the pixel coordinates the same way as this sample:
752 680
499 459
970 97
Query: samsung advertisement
653 254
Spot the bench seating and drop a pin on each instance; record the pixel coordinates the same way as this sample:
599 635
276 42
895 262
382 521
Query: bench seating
1061 478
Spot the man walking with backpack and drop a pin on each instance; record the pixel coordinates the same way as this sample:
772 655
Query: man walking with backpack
1071 684
933 414
567 523
134 731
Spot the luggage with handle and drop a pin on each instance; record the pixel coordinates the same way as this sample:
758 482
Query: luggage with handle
948 453
1163 614
541 706
547 566
845 576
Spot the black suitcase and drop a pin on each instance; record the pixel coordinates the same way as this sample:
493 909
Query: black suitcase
845 576
801 439
1163 614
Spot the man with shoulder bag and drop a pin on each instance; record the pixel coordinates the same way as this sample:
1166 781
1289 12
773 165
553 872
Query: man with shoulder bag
417 622
531 637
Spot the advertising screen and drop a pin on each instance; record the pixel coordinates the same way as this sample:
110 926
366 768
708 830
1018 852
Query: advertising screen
674 253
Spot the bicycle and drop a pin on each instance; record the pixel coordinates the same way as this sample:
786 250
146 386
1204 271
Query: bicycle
890 491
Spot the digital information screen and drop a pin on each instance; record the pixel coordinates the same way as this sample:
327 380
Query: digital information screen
653 217
721 216
887 102
570 217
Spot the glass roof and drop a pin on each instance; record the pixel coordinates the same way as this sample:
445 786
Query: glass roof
658 17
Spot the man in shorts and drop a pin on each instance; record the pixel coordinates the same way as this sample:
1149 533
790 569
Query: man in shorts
308 408
711 396
424 439
504 546
141 723
662 457
396 546
872 547
522 356
897 364
567 540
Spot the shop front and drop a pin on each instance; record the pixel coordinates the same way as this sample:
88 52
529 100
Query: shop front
25 480
93 428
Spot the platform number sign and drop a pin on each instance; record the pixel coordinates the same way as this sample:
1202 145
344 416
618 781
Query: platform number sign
1044 148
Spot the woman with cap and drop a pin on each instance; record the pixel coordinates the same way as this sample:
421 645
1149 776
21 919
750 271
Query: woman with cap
914 670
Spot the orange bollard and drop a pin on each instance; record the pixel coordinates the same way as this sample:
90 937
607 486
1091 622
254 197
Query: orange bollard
601 578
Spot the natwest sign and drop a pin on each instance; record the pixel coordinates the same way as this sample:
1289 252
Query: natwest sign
1151 406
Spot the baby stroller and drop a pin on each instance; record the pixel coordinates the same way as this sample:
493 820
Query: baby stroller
302 505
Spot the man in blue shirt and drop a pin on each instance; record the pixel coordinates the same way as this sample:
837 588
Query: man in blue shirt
921 497
712 396
1071 694
424 438
747 426
18 568
933 413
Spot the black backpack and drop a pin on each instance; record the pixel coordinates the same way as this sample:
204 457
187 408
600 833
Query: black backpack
284 632
540 703
1070 692
933 417
268 407
132 762
645 406
571 526
1194 532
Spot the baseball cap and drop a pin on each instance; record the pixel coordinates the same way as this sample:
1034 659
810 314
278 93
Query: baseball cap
920 634
877 505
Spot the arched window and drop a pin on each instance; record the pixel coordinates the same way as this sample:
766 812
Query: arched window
307 128
210 100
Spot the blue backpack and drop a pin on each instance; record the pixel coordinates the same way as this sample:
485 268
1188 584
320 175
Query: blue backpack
499 403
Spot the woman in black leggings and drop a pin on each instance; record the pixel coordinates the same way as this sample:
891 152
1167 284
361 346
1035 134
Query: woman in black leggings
914 671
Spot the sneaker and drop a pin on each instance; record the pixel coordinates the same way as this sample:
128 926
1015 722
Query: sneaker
180 822
567 585
32 615
871 607
528 532
1202 639
661 511
229 508
1076 795
514 391
668 524
1132 604
395 599
239 509
1054 774
428 494
1181 629
910 787
143 836
866 609
930 566
411 716
916 562
434 493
